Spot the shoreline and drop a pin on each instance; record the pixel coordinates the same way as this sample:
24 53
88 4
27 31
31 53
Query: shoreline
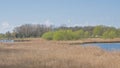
71 42
90 40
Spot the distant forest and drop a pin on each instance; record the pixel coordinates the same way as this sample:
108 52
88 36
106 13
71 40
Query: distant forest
62 32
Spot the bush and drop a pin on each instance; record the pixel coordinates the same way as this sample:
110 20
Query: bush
48 35
86 34
69 35
109 34
58 35
65 35
79 34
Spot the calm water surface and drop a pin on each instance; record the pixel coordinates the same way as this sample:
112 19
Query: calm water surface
7 41
106 46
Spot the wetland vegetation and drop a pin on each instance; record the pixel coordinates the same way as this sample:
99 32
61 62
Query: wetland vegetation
56 47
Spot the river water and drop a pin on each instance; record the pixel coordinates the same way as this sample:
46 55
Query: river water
7 41
106 46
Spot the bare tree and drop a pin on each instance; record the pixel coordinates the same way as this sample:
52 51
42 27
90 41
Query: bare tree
31 30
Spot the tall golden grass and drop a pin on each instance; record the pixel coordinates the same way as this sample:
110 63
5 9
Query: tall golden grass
47 54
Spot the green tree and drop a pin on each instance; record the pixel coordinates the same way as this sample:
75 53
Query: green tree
2 36
8 35
80 33
105 34
69 34
64 35
48 35
59 35
110 34
118 33
98 31
86 34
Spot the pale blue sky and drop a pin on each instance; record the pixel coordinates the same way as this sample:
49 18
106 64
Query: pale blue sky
57 12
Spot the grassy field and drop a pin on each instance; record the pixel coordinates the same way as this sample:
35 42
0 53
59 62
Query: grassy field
39 53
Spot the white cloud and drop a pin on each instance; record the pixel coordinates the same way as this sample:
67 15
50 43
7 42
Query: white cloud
48 23
5 26
86 23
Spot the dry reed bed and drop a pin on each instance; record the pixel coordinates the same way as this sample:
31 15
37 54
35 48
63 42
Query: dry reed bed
47 54
90 40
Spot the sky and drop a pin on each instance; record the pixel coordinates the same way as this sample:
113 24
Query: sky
14 13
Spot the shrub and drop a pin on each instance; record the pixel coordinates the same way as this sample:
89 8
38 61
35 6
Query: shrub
109 34
59 35
64 35
48 35
86 34
79 34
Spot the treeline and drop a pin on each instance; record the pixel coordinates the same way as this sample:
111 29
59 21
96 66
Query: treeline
27 31
75 33
7 35
30 30
66 35
62 32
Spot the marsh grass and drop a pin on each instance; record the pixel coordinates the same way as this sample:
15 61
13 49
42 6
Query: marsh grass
47 54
